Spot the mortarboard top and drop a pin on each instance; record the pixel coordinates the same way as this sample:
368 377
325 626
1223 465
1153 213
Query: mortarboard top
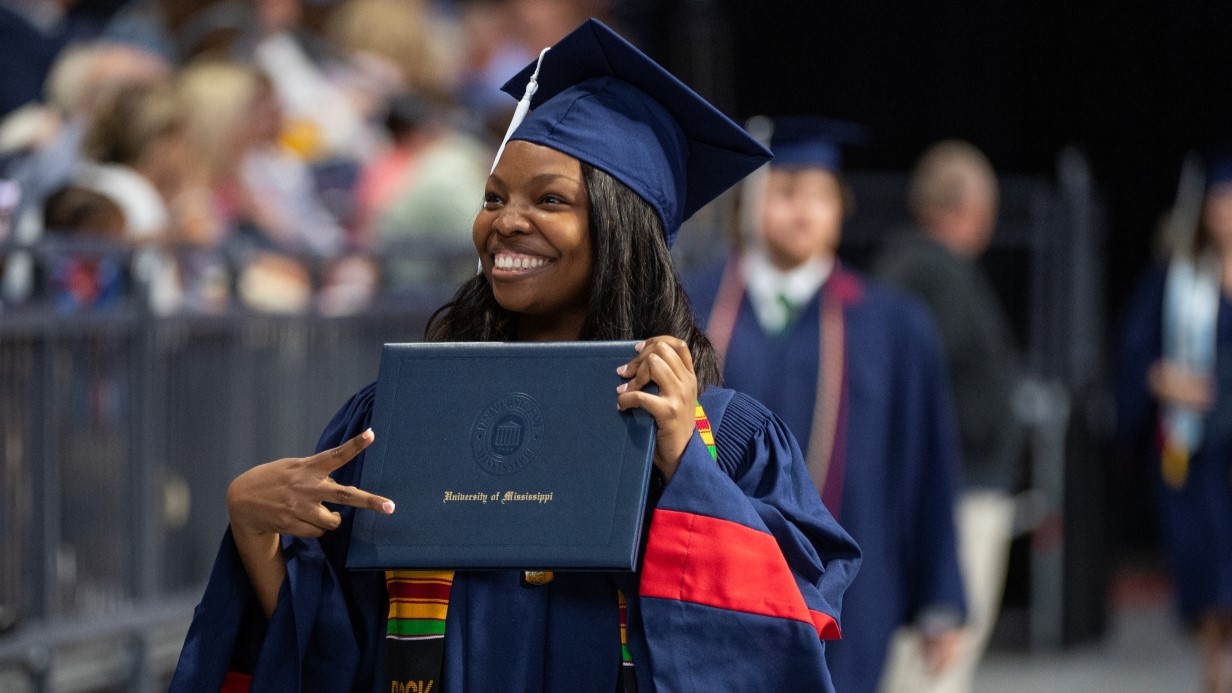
606 103
813 142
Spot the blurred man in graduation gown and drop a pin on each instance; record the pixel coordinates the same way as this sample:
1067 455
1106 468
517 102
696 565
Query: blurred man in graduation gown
855 371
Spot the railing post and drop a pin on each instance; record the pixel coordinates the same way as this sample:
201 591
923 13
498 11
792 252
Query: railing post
145 461
1044 406
39 666
45 472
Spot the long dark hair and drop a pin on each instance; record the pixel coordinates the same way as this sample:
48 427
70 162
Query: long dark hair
634 293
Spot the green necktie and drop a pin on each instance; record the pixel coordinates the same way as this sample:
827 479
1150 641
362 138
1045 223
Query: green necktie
790 310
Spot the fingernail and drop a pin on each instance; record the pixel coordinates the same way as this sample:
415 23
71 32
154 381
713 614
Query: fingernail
621 370
368 434
639 346
387 507
622 387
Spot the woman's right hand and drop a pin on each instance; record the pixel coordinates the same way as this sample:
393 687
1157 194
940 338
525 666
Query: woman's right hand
286 496
1172 383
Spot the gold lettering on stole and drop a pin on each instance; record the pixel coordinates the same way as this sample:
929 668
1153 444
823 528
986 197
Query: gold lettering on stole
420 686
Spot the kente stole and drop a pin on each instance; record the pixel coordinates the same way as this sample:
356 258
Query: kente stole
419 603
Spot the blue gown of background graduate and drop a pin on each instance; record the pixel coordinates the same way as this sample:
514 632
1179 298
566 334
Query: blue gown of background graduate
742 578
894 454
1197 518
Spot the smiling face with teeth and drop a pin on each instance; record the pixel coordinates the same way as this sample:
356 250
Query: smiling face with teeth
533 240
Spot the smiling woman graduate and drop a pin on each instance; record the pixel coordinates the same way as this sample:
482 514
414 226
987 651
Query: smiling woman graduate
743 568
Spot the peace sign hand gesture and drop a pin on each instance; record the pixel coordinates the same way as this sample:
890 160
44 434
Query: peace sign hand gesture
286 496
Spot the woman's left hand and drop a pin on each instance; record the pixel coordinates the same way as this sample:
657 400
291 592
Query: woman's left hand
667 363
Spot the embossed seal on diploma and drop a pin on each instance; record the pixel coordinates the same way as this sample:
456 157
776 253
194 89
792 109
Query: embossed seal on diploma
507 435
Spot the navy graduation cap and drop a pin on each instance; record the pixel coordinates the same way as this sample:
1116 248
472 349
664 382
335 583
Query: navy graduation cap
596 97
813 142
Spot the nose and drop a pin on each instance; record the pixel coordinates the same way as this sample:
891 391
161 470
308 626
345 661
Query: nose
510 221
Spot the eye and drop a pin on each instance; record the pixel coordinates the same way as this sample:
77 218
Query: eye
550 199
491 199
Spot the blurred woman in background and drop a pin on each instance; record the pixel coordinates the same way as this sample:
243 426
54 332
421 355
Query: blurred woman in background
1176 388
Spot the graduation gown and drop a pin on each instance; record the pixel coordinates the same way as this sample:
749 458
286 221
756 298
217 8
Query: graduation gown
890 454
1196 518
742 579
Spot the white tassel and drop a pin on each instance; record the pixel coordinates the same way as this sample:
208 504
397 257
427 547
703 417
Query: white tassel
519 114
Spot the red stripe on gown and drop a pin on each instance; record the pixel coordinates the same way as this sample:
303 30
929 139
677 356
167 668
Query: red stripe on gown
236 683
706 560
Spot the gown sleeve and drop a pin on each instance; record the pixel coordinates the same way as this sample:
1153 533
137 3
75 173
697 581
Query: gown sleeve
927 442
319 633
744 568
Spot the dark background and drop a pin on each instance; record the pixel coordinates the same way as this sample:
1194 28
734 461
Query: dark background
1133 85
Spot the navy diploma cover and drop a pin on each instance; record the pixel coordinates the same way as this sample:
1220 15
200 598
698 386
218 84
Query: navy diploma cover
504 456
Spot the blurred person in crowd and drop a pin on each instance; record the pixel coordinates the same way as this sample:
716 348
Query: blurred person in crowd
284 199
415 44
288 212
87 76
90 276
160 27
388 48
501 35
323 122
1174 397
32 33
76 210
491 51
855 371
47 138
953 197
417 199
259 200
137 153
234 124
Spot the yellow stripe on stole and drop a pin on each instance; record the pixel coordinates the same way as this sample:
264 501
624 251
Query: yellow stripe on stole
419 575
419 610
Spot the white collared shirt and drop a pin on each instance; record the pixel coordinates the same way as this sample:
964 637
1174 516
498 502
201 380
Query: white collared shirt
768 286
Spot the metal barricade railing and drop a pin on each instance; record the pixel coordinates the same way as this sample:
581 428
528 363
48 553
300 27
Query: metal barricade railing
119 433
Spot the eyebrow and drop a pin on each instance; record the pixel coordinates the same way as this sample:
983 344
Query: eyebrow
538 179
545 177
